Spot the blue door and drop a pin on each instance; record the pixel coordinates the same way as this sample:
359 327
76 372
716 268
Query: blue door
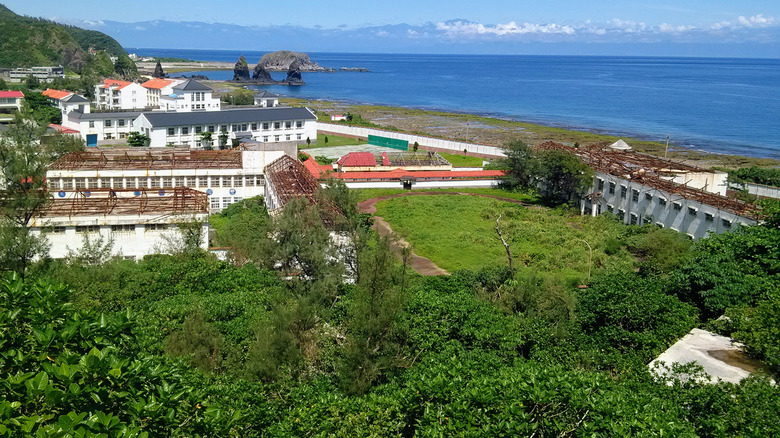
92 140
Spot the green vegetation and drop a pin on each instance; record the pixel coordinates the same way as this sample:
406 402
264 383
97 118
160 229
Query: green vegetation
462 160
458 232
333 141
27 41
525 196
757 175
239 97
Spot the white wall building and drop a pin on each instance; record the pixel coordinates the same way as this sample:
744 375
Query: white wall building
11 100
189 95
101 127
265 125
113 94
266 99
140 222
43 74
156 88
690 211
67 101
226 176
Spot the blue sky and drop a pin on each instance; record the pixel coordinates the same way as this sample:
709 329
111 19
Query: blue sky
750 27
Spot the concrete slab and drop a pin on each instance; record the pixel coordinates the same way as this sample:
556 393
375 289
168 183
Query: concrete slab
719 356
340 151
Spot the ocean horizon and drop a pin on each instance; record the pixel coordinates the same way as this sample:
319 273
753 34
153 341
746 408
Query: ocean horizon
715 105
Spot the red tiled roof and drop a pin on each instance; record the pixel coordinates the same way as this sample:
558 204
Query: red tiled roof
358 159
156 83
115 83
63 129
56 94
385 159
396 174
316 169
11 94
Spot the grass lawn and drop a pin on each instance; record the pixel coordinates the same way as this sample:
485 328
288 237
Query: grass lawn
462 160
333 140
458 232
363 194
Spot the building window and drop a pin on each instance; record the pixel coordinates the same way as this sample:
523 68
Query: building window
238 181
155 227
288 137
677 206
265 126
57 230
179 181
143 183
214 181
155 182
259 180
648 197
659 224
203 182
623 191
661 201
123 228
226 181
634 219
611 188
647 220
80 183
198 129
54 184
91 123
121 122
212 128
299 124
708 217
67 184
92 183
692 211
288 125
254 126
276 138
226 202
87 228
122 135
635 195
171 131
167 182
726 223
185 130
223 128
621 214
610 208
250 181
277 125
109 136
107 123
265 139
299 136
214 203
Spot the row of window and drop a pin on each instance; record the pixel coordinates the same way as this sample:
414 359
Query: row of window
157 182
238 127
114 228
708 217
107 123
216 203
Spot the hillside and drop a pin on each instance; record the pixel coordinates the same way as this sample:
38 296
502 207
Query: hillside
28 41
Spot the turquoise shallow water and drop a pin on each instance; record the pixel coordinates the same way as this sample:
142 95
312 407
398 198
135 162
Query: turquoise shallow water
717 105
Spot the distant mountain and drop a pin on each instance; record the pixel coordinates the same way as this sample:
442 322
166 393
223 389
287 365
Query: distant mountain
28 41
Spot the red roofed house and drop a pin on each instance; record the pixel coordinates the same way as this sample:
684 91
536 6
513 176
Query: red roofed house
67 101
157 87
367 161
357 161
113 94
11 100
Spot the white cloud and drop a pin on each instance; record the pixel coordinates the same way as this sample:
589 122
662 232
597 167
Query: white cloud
511 28
670 28
383 33
756 21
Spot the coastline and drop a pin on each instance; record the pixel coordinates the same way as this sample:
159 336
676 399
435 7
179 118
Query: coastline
496 130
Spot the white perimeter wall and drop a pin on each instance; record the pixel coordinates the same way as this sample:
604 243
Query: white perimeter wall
427 142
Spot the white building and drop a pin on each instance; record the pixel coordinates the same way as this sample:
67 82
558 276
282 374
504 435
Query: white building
156 88
266 99
189 95
99 127
140 221
113 94
11 100
226 176
265 125
67 101
43 74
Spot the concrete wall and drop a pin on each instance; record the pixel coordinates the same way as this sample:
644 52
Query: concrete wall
713 182
428 143
760 190
640 204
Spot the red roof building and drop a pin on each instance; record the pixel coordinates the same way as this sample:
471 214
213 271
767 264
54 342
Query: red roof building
357 159
51 93
11 95
156 83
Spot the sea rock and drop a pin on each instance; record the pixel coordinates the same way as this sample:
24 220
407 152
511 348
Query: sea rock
294 73
158 71
241 70
282 59
260 74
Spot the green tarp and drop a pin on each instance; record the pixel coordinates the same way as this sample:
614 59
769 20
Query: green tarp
388 142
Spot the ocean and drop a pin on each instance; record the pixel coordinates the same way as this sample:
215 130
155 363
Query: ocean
729 106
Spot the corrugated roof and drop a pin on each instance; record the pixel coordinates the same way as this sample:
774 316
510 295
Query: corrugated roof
106 115
11 94
75 98
56 94
243 115
191 85
115 83
396 174
358 159
156 83
265 94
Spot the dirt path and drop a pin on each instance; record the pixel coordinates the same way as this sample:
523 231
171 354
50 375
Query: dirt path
421 265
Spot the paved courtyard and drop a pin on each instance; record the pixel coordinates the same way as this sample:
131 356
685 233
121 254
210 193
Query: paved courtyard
340 151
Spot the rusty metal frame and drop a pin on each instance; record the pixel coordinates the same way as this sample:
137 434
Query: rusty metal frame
149 159
142 201
291 179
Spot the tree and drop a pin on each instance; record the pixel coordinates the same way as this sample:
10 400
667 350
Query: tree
43 111
416 146
223 138
93 251
3 85
521 166
205 140
125 67
32 82
563 176
25 195
308 141
137 140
